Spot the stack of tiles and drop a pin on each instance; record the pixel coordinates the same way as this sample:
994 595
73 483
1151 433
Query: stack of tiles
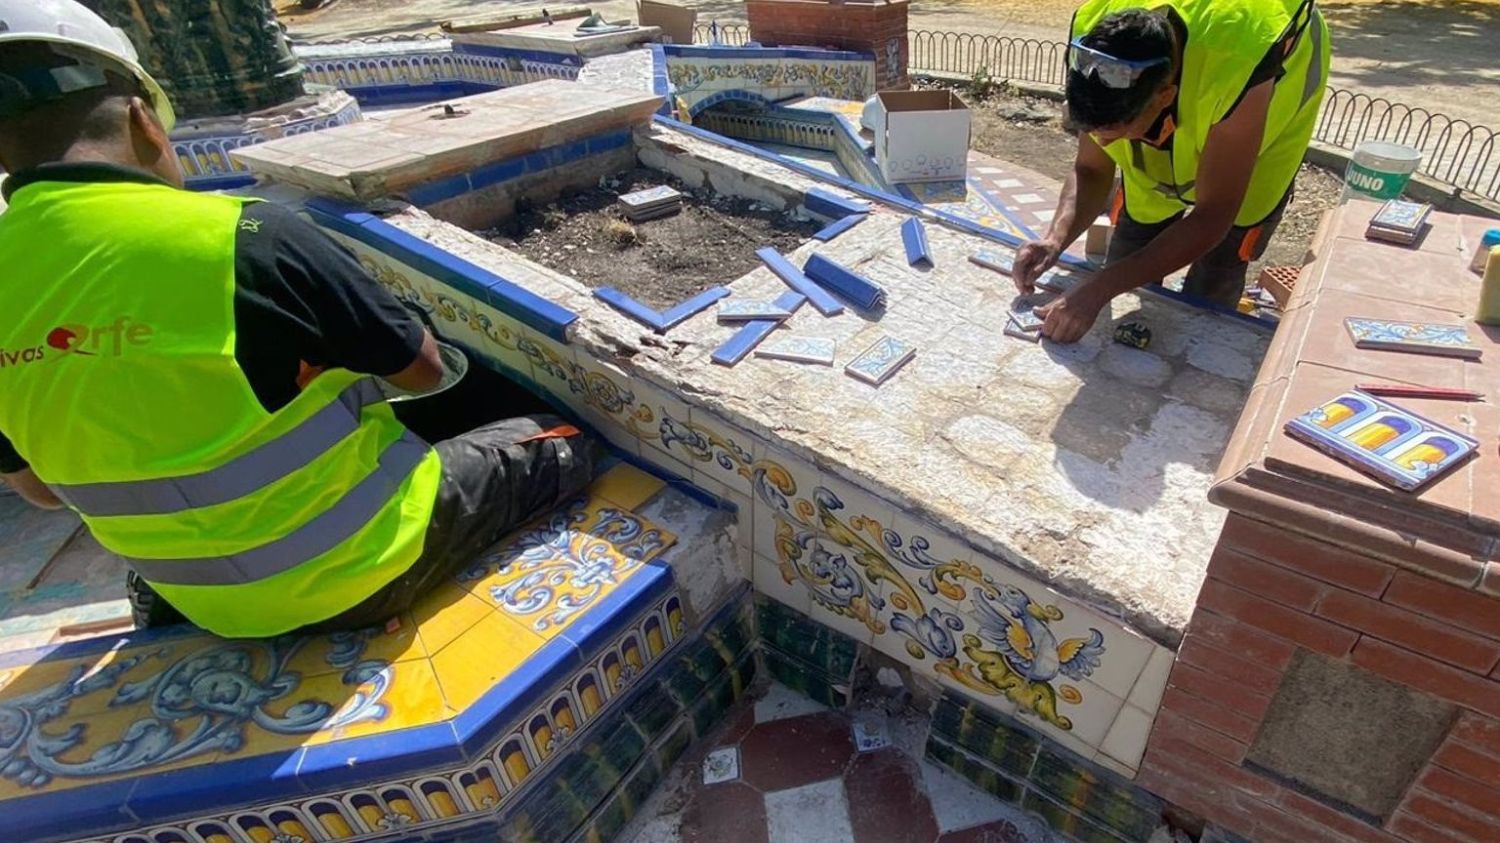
1399 222
651 203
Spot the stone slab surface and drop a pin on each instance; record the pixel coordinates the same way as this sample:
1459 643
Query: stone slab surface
1086 466
370 160
561 37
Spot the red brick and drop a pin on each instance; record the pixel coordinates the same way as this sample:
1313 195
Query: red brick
1271 822
1349 826
1458 606
1420 672
1304 629
1215 689
1316 559
1232 636
1411 630
1209 714
1480 732
1413 829
1461 759
1462 789
1453 819
1184 786
1211 769
1173 726
1273 582
1249 675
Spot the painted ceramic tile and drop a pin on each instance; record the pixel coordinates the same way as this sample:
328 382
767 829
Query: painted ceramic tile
722 765
877 363
799 350
626 486
1126 740
742 310
1450 340
997 261
1012 329
556 569
1152 683
711 446
1401 215
1382 440
650 197
1023 311
870 735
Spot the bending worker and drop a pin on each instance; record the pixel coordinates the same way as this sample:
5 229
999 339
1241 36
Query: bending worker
191 372
1206 107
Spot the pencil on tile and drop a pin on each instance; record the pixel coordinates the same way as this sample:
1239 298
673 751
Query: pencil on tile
1392 390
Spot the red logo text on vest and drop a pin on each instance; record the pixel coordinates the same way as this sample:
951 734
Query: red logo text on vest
110 340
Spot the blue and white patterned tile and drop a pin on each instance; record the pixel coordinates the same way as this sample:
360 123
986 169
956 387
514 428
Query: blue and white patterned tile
499 337
769 580
553 367
715 449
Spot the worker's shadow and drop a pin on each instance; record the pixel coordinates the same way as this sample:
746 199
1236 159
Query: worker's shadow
1136 414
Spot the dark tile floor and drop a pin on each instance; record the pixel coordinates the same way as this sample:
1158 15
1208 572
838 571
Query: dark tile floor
793 774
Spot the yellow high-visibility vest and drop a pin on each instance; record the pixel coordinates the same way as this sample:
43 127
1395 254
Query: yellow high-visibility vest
1226 40
119 385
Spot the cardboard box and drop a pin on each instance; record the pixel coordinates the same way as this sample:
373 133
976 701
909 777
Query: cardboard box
676 22
922 136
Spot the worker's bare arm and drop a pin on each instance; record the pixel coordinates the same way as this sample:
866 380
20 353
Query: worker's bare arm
1084 196
31 489
425 372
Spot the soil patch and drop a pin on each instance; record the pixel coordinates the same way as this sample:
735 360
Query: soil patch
1029 131
659 262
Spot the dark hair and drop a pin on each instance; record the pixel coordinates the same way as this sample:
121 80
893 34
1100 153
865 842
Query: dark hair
1134 34
45 130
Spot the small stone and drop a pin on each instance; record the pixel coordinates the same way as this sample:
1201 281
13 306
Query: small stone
888 677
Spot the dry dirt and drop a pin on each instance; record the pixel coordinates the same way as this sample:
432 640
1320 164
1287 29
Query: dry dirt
659 262
1029 130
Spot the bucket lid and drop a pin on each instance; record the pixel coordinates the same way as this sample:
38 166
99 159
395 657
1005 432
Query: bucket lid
1491 238
1394 152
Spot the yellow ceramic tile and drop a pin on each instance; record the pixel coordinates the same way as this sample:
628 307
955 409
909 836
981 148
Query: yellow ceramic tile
445 614
481 657
402 696
626 486
633 536
336 652
98 731
98 677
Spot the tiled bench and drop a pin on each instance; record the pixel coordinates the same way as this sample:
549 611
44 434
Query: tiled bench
509 702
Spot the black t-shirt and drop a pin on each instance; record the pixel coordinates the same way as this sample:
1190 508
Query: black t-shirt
298 296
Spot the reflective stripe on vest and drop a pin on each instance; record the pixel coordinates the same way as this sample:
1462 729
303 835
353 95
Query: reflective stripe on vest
239 477
317 536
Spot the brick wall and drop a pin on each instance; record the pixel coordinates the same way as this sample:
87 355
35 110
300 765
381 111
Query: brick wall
1269 593
872 26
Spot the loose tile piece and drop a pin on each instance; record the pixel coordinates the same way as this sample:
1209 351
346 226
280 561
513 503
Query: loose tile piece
1023 311
914 238
832 275
881 360
799 350
1014 330
1001 263
752 332
783 268
722 765
870 736
742 310
834 229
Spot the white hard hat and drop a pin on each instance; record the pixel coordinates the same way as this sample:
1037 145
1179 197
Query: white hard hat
79 34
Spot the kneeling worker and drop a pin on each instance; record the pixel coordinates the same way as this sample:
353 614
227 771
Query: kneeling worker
191 372
1206 107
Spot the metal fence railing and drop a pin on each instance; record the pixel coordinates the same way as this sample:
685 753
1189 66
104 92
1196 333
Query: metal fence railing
1454 151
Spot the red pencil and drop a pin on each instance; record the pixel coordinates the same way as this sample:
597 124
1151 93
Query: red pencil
1396 390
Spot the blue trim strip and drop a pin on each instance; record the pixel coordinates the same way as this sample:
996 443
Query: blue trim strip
677 313
402 94
592 630
224 182
462 49
630 307
825 304
752 333
830 274
479 726
826 204
515 301
673 479
914 238
839 227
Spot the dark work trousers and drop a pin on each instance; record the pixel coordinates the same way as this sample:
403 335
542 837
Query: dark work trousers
1218 276
494 478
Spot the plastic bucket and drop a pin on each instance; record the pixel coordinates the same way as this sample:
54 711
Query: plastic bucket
455 366
1379 170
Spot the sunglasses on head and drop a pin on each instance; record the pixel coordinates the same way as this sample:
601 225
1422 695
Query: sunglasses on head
1112 72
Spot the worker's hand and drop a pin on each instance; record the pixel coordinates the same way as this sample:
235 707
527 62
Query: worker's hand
1072 314
1032 260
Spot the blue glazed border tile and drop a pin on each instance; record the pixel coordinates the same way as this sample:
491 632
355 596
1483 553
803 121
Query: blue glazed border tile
481 724
696 304
70 814
378 757
226 783
839 227
591 631
500 171
436 191
204 184
752 333
793 277
715 51
609 141
914 238
994 200
461 49
832 275
825 204
630 307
